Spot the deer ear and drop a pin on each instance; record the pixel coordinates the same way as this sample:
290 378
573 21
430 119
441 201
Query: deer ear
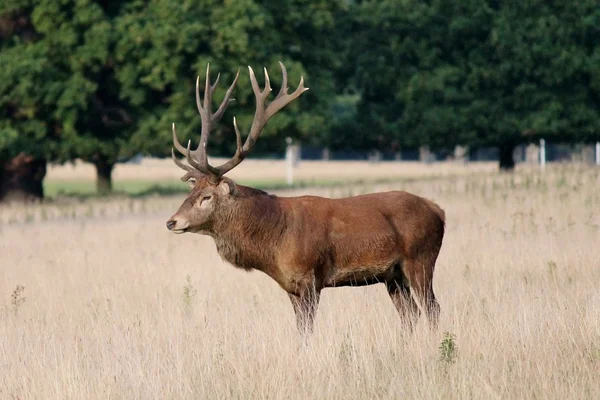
227 186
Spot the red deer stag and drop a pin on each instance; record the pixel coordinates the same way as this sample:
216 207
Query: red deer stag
308 243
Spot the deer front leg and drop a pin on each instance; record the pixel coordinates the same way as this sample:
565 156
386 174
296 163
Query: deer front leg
305 306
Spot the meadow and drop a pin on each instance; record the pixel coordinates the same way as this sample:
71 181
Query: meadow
99 300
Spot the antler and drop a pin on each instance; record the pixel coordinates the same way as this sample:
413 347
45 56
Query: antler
198 159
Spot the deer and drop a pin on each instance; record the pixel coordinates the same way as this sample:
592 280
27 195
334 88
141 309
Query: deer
307 243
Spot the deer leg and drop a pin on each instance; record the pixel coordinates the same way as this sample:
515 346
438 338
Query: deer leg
305 307
420 275
407 308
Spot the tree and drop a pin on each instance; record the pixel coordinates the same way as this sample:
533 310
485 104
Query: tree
535 80
413 61
26 139
166 44
60 97
393 41
110 77
481 73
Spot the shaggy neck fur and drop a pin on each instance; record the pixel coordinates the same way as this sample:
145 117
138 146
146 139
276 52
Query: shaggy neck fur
248 233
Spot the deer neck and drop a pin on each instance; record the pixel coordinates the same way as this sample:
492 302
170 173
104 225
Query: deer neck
249 234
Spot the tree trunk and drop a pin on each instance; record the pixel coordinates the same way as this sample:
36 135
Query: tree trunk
506 156
104 177
21 179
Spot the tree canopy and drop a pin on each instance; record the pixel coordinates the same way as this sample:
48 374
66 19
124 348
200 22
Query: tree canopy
479 73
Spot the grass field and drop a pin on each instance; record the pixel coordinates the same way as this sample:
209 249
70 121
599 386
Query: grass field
162 176
99 300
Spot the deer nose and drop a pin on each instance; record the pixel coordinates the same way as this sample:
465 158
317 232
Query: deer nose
171 224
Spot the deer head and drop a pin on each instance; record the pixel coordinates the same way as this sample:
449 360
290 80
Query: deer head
213 195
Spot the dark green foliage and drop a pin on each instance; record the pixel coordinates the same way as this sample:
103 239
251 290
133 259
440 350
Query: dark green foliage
173 42
59 95
480 73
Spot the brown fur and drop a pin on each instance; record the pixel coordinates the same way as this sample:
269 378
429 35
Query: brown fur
309 243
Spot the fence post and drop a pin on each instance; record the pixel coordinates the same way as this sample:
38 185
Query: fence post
597 153
289 161
374 156
425 155
461 154
542 153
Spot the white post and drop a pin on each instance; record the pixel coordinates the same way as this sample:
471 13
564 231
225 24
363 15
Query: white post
597 153
289 161
542 153
424 154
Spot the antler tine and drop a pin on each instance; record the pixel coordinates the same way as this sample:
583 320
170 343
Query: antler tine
176 143
195 164
179 163
259 121
284 99
261 115
254 83
238 138
214 85
204 111
207 90
207 125
226 99
284 81
198 99
267 82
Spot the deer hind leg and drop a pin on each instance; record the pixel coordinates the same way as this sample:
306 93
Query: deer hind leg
305 307
420 275
407 308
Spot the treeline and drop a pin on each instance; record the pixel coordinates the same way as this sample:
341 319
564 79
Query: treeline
102 81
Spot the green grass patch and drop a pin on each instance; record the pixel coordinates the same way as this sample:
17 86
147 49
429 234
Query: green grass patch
141 188
87 188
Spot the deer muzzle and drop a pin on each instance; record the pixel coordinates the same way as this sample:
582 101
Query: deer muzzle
177 224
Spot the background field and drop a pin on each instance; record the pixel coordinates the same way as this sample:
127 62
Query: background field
160 175
99 300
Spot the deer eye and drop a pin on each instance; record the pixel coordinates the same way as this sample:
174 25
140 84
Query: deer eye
205 198
191 183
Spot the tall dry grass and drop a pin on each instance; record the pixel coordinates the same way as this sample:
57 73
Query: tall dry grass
115 307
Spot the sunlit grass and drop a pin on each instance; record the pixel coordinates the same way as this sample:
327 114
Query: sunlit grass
99 300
